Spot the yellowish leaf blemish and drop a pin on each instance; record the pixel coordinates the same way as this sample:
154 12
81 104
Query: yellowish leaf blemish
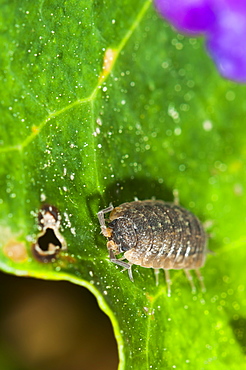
15 250
108 63
35 129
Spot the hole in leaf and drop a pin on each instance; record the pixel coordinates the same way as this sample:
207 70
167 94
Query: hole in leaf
49 241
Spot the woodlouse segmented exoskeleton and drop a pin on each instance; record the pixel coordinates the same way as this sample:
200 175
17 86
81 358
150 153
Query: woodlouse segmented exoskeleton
157 234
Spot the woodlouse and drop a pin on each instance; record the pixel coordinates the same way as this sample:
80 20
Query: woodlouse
157 234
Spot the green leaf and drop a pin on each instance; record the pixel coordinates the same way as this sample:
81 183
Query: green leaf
102 102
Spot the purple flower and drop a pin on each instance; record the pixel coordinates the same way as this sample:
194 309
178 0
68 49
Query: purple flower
222 22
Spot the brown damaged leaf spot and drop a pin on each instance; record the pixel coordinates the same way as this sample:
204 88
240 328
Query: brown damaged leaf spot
15 250
68 258
65 260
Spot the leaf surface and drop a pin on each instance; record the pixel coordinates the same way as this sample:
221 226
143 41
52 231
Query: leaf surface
102 103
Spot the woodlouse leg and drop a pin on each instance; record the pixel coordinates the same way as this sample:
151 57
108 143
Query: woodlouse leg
176 197
200 278
168 281
126 266
190 278
101 219
156 271
130 272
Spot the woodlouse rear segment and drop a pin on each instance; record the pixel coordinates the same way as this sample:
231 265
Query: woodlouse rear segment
155 234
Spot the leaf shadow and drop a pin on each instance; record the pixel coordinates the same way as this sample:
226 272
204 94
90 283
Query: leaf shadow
239 330
141 187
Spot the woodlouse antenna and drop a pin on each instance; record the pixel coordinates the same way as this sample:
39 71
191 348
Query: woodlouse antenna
101 218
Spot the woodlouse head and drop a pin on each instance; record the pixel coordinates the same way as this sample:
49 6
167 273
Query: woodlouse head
123 234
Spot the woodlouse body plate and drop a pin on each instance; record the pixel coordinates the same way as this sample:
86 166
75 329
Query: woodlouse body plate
157 234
